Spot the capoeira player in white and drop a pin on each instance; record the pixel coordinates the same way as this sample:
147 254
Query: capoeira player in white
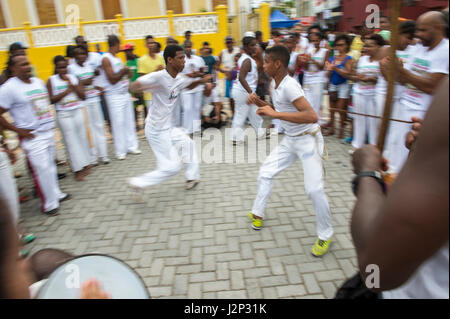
171 145
244 86
303 140
26 99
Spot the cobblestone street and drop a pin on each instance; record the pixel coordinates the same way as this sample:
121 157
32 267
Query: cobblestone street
198 243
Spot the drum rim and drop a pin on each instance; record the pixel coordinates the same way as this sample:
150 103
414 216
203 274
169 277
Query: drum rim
95 254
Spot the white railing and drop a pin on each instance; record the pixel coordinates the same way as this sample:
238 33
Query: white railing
138 29
54 36
197 24
8 37
98 32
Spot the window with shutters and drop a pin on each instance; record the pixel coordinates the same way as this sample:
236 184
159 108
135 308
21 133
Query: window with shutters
2 19
46 11
218 3
111 8
175 5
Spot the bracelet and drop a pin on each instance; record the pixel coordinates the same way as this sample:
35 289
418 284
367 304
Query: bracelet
373 174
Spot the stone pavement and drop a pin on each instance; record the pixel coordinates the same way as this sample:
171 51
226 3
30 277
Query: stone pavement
198 243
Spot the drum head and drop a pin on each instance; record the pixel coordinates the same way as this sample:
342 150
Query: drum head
115 277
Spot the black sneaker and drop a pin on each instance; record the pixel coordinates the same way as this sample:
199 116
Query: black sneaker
61 175
53 212
67 197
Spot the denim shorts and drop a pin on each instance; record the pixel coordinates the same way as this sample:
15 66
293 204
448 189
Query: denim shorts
343 90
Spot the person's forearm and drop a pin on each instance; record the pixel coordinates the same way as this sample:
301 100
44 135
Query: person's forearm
425 85
370 199
245 85
6 125
56 98
115 77
297 117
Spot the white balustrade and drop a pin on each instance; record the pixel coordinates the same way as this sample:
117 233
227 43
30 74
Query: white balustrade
8 37
197 24
98 32
139 29
54 36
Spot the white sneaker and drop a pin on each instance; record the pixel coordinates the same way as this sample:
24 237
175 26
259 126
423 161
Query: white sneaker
105 160
135 152
121 158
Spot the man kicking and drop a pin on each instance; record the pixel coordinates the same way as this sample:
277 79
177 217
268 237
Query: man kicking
167 142
303 140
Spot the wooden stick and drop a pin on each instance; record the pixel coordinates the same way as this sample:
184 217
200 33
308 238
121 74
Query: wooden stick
368 115
395 12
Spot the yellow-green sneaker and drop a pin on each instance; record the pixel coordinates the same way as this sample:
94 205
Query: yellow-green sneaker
256 223
320 247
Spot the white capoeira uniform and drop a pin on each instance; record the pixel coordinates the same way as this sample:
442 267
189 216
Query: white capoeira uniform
242 109
314 80
94 110
304 142
413 102
30 107
70 117
120 109
191 100
365 102
8 187
394 142
171 145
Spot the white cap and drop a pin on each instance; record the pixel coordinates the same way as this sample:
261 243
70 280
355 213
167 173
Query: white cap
249 34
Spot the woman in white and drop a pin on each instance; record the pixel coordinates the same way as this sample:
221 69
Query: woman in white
191 99
66 93
366 77
315 76
116 79
86 74
244 87
394 141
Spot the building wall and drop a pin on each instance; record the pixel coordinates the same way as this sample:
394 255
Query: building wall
197 6
87 9
18 11
142 8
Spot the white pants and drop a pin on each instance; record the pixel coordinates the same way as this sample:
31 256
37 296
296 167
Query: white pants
40 154
73 129
123 123
313 93
8 188
309 150
97 128
191 106
241 111
395 151
364 126
171 147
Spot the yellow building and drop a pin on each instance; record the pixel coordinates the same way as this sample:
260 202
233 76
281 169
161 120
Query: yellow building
48 26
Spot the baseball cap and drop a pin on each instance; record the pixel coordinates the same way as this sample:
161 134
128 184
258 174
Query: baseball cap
127 46
249 34
229 39
17 46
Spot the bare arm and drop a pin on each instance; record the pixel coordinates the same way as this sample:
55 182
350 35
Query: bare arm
400 231
56 98
245 68
8 126
113 78
425 84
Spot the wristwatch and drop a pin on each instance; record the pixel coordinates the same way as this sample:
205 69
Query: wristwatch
374 174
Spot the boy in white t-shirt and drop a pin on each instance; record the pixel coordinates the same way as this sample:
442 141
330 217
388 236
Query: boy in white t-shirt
303 140
171 145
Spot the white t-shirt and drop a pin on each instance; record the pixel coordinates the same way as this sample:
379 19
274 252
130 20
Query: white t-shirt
165 92
303 45
252 76
193 64
120 87
70 101
228 58
28 104
430 281
312 72
82 73
283 97
381 86
208 101
424 63
366 68
293 61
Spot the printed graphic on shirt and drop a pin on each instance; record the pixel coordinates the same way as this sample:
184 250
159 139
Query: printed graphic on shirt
40 101
421 68
69 101
89 89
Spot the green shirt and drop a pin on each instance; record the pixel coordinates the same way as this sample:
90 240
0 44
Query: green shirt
132 64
